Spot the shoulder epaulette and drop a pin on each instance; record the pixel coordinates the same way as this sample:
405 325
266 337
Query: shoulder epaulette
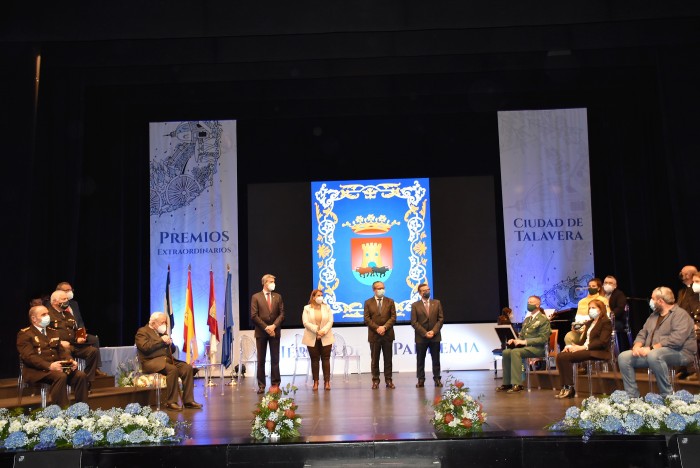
25 329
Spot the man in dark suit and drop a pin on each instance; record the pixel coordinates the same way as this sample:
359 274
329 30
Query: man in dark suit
267 314
64 323
74 308
617 304
43 358
427 319
380 317
155 351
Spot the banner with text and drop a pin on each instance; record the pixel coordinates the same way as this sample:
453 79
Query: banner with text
194 218
545 180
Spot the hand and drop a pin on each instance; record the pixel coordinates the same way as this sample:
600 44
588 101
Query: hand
166 339
56 366
80 340
381 330
65 344
73 364
640 351
430 334
270 329
320 333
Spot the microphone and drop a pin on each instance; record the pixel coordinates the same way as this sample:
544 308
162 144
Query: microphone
645 299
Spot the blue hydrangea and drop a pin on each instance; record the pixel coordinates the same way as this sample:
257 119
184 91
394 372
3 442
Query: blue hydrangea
611 424
696 418
116 436
138 436
77 410
48 436
16 440
573 412
161 417
586 424
133 408
587 435
654 398
633 421
82 438
51 412
675 422
619 396
683 395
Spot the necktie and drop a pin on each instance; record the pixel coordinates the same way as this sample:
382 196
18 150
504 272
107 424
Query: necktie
43 331
379 303
269 301
427 306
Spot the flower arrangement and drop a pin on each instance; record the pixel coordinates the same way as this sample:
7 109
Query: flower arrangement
457 413
618 413
275 415
79 426
129 374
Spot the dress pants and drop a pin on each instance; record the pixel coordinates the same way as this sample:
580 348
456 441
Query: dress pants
383 346
184 371
261 343
421 351
90 354
59 380
513 363
320 353
565 365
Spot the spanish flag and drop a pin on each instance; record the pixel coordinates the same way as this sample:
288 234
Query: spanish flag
190 338
211 321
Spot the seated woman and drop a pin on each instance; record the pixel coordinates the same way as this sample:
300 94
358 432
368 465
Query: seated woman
594 343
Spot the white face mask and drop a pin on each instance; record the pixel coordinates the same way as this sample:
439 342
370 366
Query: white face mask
380 292
162 329
696 287
608 288
45 321
319 300
652 304
593 313
271 286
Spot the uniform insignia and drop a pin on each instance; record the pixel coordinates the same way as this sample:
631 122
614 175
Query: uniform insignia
36 338
25 329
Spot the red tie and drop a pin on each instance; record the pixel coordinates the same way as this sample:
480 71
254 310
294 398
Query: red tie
269 301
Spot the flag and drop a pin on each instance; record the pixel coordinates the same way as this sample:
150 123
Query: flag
227 339
211 320
168 305
190 338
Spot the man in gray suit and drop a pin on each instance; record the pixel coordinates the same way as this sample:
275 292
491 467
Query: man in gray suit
427 319
380 317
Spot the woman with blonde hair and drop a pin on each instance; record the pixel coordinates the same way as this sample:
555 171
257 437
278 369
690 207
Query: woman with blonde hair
317 318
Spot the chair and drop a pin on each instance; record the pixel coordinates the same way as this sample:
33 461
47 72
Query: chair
551 349
21 385
672 374
598 364
155 377
341 351
248 353
300 354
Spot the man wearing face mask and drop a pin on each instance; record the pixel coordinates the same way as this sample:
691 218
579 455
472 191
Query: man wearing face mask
427 319
594 344
64 323
666 339
155 350
595 290
44 359
74 308
380 317
686 295
617 303
267 314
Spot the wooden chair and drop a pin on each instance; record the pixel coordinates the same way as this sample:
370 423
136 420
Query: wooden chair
551 349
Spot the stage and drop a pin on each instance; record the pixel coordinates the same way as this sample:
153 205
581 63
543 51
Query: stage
353 425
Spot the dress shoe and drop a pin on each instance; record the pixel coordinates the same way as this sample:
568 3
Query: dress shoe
421 383
375 385
173 407
100 373
438 383
582 370
327 385
193 405
515 389
566 392
390 384
682 375
561 392
504 388
261 389
315 387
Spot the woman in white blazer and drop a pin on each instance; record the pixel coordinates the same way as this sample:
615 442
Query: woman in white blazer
318 336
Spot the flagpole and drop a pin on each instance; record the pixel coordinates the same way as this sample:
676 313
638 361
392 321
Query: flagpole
233 381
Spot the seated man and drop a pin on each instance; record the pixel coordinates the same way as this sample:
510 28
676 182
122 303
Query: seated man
44 358
534 334
64 323
156 355
666 339
74 308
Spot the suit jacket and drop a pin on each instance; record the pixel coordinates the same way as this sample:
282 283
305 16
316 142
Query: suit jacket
616 304
423 321
308 318
375 318
75 310
599 338
37 352
262 315
153 352
64 323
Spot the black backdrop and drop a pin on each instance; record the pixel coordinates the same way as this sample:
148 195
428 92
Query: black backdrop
422 85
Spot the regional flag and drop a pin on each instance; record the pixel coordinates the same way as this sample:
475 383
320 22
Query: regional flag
227 339
211 320
168 305
190 338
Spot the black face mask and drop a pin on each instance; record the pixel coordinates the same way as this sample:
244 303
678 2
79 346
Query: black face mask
64 305
426 295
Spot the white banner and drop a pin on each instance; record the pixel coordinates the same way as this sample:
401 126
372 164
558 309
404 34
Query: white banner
545 179
194 219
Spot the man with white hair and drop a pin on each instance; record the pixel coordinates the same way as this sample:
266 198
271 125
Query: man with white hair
156 356
666 339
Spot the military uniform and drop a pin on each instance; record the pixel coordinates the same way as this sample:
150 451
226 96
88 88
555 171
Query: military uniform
37 352
536 330
65 325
